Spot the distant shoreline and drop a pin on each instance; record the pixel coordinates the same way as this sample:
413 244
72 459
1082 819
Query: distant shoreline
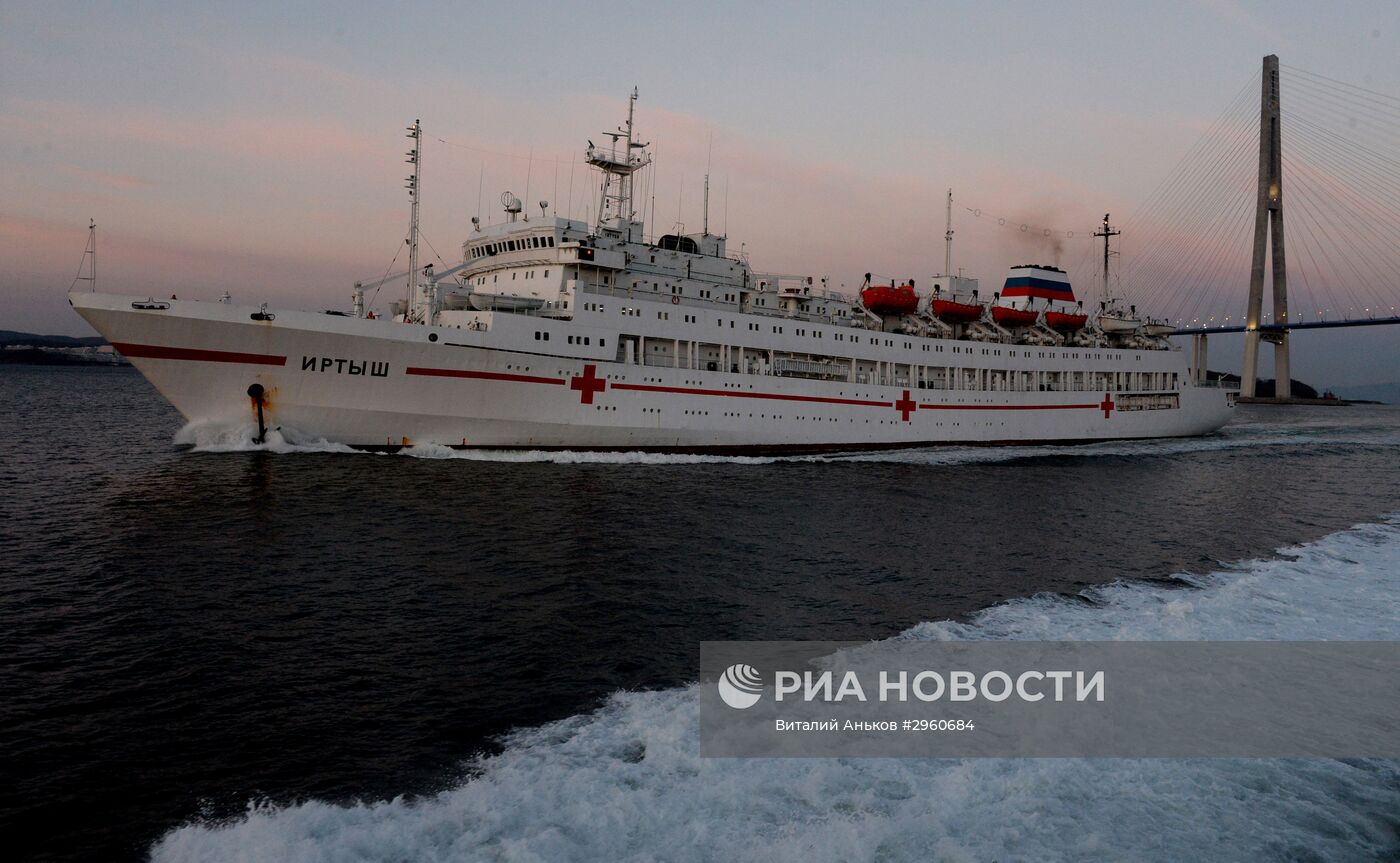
38 350
27 356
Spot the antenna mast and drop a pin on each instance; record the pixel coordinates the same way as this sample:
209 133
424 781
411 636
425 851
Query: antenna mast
707 205
1106 232
415 158
708 157
948 240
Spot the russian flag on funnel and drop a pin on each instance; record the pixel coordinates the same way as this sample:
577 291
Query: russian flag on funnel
1050 283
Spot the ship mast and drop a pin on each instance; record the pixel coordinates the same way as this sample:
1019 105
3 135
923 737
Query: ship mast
615 206
89 258
415 158
1106 232
948 240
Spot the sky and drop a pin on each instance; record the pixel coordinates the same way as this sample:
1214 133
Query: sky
258 148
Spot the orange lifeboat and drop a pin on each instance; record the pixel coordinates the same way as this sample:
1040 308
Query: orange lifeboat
949 310
890 300
1066 322
1009 317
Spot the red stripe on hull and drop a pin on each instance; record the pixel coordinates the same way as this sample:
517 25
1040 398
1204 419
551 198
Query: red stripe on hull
483 376
932 407
160 352
692 391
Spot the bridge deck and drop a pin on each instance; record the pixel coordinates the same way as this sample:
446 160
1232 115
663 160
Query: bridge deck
1279 328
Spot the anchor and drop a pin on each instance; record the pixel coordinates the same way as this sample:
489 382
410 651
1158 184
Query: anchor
255 392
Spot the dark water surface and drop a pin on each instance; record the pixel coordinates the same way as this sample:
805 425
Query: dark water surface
184 631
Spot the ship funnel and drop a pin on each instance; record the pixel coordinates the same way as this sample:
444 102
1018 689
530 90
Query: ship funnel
1036 280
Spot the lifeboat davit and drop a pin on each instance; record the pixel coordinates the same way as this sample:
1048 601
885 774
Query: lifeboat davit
1066 322
948 310
1009 317
890 299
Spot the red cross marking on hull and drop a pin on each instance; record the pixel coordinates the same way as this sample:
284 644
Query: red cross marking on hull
906 405
588 383
1106 405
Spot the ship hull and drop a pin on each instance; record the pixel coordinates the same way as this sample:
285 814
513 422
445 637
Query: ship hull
383 385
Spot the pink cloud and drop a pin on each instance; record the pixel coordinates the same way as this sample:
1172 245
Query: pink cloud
115 181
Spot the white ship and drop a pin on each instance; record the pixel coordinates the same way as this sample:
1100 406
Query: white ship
556 334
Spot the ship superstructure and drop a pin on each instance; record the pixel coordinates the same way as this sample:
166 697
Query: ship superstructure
555 333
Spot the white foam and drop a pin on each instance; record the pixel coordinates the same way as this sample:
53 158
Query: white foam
1342 587
626 782
223 438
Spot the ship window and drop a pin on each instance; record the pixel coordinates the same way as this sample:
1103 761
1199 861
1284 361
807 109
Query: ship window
551 242
601 343
546 274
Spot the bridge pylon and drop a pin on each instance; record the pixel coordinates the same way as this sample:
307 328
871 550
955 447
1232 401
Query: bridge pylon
1268 225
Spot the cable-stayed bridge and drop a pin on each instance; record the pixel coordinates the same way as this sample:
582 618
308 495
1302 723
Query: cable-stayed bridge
1292 148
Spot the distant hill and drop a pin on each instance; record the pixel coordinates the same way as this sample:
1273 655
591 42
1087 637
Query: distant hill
32 349
1388 393
1265 388
10 337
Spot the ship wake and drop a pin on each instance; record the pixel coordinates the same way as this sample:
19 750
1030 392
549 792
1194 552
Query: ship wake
626 781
